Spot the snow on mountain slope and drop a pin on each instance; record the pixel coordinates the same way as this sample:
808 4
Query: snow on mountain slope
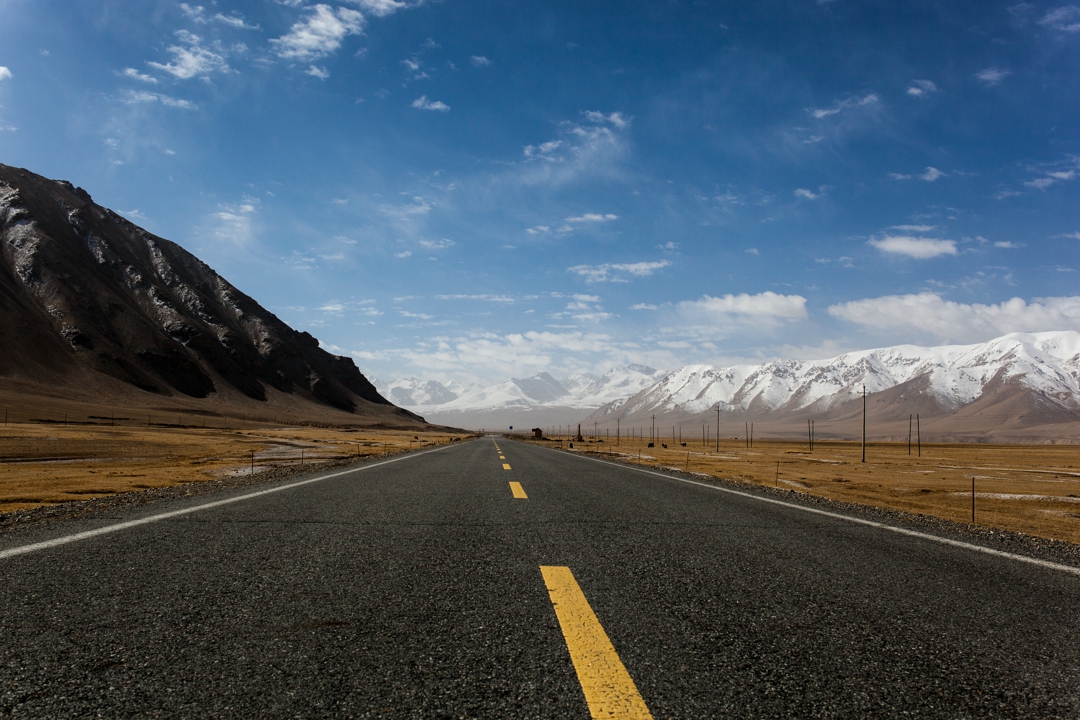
584 391
1047 363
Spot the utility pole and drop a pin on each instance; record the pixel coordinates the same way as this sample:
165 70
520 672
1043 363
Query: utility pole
918 433
653 429
809 435
618 426
864 423
717 427
909 434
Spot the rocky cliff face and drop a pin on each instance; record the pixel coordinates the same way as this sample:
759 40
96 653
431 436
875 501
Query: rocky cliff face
83 288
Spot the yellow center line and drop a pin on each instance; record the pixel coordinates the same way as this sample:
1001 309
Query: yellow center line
502 457
609 690
506 466
519 492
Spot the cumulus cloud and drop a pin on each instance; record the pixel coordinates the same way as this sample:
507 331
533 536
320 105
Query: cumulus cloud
921 87
592 217
839 107
5 74
1065 19
931 174
480 61
928 314
316 71
319 34
993 75
422 103
191 58
919 248
615 272
807 194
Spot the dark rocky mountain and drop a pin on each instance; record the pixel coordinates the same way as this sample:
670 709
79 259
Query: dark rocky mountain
85 294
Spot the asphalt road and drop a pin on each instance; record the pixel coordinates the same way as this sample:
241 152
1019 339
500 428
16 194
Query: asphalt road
414 589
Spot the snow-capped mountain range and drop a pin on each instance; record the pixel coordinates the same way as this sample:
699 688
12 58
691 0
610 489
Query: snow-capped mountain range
951 377
583 391
1036 373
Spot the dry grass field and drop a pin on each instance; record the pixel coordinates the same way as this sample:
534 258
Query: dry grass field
1033 489
43 464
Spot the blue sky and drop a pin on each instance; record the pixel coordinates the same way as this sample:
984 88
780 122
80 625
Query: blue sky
480 190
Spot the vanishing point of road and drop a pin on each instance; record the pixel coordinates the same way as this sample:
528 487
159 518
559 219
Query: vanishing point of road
495 579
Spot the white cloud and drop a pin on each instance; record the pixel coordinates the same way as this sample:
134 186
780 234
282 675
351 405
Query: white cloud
763 306
921 87
136 75
539 230
437 244
592 217
993 75
403 254
235 223
931 174
1006 245
134 98
544 150
1050 178
612 272
820 113
899 176
191 58
915 247
913 228
1065 19
316 71
752 251
234 21
643 306
380 8
807 194
928 314
319 34
5 74
503 299
422 103
616 118
480 61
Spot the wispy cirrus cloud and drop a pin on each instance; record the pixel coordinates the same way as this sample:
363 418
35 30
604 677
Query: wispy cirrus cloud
197 13
993 75
138 97
1065 19
141 77
618 272
842 105
592 218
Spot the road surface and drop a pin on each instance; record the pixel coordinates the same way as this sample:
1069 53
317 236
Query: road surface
484 579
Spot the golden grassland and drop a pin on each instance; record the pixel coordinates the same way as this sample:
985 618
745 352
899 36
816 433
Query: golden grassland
1033 489
44 464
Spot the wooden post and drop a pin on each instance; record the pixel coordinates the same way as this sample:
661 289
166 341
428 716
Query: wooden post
809 436
918 433
252 463
718 427
864 423
972 499
909 434
618 428
776 482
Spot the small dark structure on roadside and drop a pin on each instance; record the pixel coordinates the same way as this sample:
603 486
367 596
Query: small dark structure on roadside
538 433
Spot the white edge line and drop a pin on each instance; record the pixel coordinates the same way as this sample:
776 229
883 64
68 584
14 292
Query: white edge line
859 521
64 540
